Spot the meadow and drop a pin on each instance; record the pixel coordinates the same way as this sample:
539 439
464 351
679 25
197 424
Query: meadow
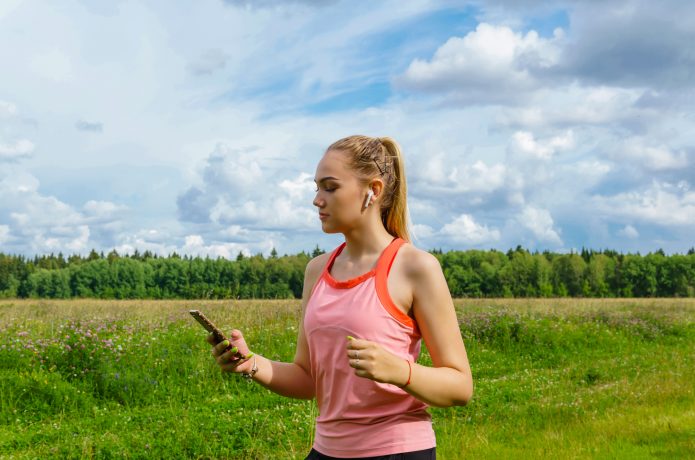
554 378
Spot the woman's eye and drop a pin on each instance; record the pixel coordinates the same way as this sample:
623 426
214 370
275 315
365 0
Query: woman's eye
327 189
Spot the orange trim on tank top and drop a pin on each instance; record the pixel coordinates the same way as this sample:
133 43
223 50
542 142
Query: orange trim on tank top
383 267
382 290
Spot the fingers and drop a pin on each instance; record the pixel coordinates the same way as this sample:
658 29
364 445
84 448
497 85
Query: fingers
357 344
220 348
236 365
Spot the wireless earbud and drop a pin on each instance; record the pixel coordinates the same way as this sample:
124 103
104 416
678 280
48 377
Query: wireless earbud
370 194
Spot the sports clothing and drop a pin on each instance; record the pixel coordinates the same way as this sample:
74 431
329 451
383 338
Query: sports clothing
359 417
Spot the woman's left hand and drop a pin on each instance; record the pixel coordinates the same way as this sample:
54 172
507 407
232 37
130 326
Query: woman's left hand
370 360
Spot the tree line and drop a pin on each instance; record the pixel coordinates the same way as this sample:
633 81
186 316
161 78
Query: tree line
472 273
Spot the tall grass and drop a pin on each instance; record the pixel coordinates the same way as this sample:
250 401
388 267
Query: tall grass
553 378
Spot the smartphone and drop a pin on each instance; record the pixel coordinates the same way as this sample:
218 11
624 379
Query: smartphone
214 330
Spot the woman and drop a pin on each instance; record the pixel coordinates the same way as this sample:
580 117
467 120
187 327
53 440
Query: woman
366 306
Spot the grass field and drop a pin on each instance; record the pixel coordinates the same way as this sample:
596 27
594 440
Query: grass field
554 378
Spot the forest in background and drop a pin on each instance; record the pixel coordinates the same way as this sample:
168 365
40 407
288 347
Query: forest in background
471 273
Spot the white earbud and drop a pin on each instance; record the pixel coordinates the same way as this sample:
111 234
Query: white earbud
368 201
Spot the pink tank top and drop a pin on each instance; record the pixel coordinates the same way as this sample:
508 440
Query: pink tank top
359 417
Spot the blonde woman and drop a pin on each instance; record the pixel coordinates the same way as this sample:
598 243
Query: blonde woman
367 305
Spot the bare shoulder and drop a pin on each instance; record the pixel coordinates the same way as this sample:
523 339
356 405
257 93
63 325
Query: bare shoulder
418 263
315 265
313 271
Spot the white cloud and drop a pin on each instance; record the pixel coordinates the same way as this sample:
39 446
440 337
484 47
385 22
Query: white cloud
422 231
43 223
300 188
662 203
524 143
653 157
464 229
4 233
628 232
7 109
575 105
540 223
195 245
100 210
461 178
491 63
20 149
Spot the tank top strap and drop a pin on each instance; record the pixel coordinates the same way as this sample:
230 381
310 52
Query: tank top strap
381 280
386 260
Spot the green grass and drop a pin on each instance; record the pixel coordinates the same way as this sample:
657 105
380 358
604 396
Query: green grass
553 378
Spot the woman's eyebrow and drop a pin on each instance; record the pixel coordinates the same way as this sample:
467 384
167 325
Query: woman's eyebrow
323 179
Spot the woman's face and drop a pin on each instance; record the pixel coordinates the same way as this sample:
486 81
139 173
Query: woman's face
339 195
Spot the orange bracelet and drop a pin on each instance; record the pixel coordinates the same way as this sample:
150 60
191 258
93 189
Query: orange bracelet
410 373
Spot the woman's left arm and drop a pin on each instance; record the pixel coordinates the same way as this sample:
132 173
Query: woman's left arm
449 381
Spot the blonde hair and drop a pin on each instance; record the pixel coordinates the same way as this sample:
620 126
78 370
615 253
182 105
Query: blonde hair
371 157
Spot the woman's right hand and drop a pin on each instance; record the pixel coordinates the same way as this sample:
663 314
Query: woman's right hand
229 361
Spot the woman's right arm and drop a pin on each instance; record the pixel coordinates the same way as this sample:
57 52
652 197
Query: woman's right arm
287 379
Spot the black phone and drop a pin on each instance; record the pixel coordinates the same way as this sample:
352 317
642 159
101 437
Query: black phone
211 328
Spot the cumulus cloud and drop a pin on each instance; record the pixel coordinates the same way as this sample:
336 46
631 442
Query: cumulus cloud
465 230
637 151
575 106
22 148
100 211
523 143
628 231
195 245
490 64
233 193
662 204
461 183
540 223
422 231
43 223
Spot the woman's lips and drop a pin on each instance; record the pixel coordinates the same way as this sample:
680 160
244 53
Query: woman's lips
323 216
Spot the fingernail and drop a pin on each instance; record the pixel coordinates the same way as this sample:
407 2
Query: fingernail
234 350
249 355
225 343
350 337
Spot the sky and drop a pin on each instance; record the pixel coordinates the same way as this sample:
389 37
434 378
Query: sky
196 127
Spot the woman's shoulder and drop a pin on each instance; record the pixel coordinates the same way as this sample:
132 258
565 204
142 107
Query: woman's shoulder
416 261
315 265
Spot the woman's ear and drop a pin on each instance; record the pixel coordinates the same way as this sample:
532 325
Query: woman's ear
377 186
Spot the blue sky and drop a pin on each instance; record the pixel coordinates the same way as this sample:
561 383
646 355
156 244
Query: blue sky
197 127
